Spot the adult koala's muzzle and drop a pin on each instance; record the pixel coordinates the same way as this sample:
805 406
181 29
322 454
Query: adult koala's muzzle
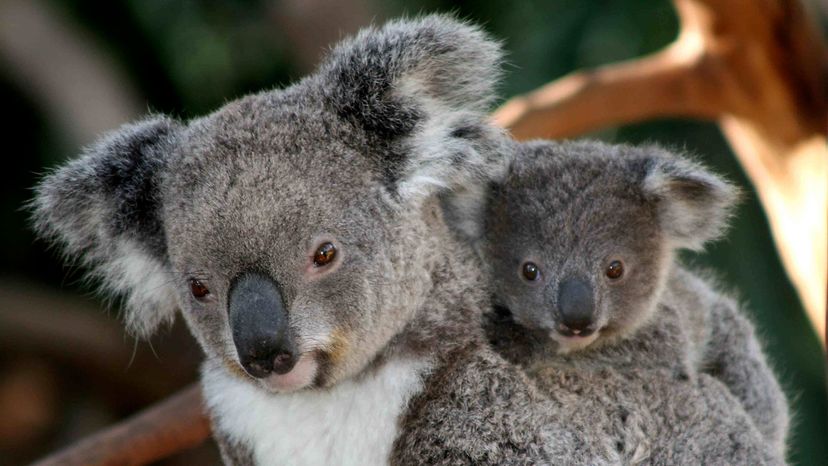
260 326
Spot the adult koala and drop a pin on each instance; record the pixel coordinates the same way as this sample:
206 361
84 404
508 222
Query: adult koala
299 233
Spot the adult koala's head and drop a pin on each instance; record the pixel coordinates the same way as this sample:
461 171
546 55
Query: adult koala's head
580 236
291 227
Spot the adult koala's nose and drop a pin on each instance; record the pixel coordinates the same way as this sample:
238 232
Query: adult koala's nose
576 307
260 326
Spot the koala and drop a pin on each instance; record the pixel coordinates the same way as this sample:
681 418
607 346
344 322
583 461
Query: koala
300 235
650 360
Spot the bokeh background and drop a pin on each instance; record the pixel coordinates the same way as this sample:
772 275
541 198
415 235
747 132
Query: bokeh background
70 70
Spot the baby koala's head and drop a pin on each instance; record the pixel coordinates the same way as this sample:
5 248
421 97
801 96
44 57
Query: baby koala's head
579 237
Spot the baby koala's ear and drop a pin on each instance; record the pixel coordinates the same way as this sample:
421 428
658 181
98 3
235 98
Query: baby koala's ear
104 209
694 205
421 87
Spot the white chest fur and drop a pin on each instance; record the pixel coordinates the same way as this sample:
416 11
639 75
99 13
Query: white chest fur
353 423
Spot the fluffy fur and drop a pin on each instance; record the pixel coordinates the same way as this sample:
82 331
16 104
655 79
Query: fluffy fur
674 373
104 208
356 155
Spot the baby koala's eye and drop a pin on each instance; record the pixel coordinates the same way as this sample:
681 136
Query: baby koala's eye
198 288
531 271
615 270
324 255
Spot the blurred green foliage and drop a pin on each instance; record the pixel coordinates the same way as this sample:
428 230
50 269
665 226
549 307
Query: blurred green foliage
188 57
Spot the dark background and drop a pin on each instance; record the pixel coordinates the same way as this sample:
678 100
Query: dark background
70 70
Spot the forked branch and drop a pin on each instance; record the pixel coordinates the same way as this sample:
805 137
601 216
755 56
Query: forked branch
175 424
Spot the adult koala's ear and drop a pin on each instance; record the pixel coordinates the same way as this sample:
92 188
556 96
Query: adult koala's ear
694 205
465 207
104 209
423 88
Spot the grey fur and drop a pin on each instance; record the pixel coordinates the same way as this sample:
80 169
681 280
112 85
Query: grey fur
354 154
676 374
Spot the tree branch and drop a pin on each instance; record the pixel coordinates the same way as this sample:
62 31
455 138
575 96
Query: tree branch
662 84
173 425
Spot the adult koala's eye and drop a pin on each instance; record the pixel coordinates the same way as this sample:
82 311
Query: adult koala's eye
198 289
531 271
615 270
324 255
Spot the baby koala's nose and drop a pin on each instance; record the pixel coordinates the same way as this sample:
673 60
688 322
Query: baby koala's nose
576 307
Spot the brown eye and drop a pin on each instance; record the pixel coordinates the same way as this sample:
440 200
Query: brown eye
199 290
324 255
530 271
615 270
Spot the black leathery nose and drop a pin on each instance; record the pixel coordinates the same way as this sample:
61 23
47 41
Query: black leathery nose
576 304
259 324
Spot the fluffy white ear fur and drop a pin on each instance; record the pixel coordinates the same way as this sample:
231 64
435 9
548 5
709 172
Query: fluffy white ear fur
451 151
146 285
694 205
453 146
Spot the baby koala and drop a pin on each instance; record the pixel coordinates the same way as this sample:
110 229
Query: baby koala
655 363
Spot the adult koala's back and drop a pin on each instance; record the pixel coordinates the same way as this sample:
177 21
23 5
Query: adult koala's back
298 232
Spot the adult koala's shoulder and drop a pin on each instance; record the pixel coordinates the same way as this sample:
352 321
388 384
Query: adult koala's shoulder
299 233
